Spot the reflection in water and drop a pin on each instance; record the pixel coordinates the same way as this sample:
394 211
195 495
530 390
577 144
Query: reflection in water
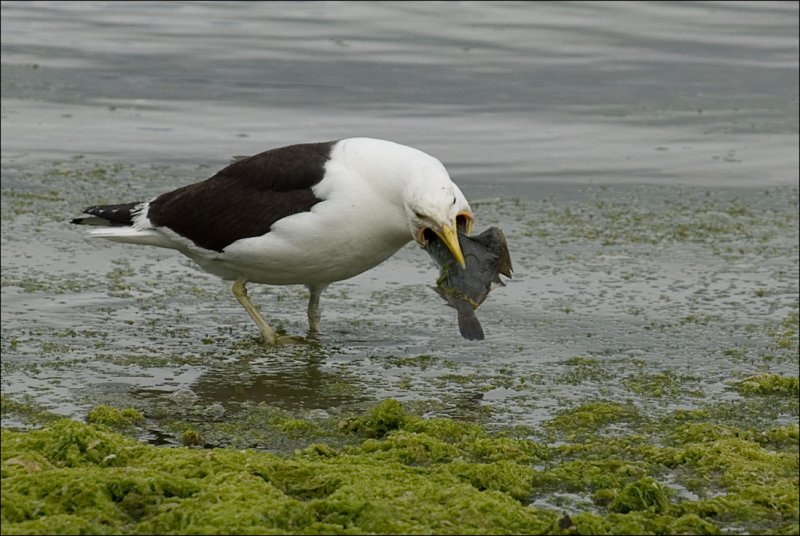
302 386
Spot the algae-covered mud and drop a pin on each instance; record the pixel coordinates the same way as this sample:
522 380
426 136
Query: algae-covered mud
639 375
393 472
665 296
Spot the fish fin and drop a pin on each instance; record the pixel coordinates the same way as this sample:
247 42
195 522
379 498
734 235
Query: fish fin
444 296
493 240
504 262
468 323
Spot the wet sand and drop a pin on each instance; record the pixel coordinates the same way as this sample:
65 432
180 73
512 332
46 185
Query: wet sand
617 290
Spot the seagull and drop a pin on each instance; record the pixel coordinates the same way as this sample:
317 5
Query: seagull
307 214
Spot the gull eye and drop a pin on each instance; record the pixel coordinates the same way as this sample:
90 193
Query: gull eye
454 200
419 215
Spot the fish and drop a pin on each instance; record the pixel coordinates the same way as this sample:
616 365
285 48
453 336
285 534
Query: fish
486 257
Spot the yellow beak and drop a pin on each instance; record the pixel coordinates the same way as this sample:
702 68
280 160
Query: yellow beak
449 236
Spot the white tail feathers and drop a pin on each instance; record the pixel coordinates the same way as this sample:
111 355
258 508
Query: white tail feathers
129 235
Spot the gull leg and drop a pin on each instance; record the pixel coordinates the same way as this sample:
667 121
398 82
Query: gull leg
240 292
313 309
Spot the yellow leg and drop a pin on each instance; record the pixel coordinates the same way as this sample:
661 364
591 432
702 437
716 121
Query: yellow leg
239 290
313 309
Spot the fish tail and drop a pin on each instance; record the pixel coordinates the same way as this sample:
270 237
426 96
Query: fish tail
468 323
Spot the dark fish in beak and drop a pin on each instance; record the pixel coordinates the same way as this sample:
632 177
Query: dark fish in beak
486 257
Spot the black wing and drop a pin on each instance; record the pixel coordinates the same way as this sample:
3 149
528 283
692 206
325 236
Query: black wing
246 198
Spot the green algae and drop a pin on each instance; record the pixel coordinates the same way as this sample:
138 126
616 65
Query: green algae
25 412
422 362
769 384
385 417
645 494
591 417
261 425
407 474
114 417
641 523
104 483
582 369
191 437
624 220
666 384
787 333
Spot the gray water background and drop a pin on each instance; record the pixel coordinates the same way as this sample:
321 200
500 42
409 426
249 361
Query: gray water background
502 92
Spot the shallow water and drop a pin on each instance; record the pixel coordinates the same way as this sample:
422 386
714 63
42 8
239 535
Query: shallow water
702 93
642 160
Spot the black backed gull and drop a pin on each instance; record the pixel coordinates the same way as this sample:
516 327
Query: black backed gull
307 214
